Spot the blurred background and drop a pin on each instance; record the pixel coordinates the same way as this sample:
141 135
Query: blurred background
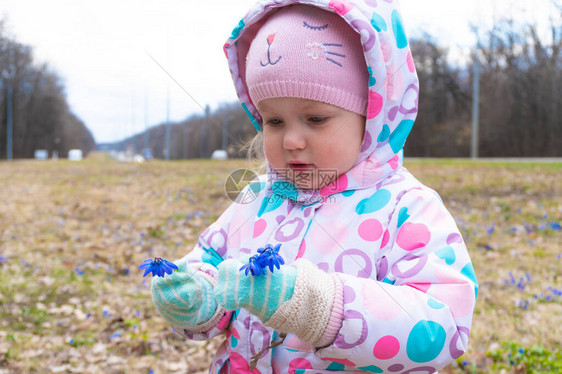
150 79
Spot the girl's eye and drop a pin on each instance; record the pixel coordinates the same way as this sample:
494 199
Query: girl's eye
316 119
273 122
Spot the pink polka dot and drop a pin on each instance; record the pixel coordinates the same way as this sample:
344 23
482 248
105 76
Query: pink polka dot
458 296
395 84
394 162
240 228
379 304
423 287
341 6
330 209
410 60
370 230
367 172
299 363
239 365
343 361
413 236
259 227
386 50
386 347
328 244
302 249
385 238
375 104
339 185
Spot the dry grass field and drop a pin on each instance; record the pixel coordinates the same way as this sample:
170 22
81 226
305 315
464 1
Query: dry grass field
72 235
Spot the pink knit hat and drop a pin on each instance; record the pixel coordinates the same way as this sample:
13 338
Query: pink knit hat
306 52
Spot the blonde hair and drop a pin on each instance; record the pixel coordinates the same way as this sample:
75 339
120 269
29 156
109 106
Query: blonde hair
255 156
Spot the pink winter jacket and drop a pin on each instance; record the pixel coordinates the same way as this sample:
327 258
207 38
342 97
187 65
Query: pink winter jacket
409 287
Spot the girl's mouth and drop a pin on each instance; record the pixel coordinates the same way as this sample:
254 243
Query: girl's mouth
297 166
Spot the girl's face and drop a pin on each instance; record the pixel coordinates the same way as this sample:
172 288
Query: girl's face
309 142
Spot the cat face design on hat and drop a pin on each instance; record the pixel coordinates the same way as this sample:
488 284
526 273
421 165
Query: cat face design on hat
314 50
306 52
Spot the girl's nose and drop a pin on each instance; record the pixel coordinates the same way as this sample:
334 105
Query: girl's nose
294 139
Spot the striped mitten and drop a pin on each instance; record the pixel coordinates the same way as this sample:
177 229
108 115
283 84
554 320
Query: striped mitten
261 295
185 298
298 298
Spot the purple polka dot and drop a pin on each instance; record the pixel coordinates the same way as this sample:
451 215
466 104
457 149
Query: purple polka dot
323 266
367 141
383 269
348 294
395 367
279 219
454 238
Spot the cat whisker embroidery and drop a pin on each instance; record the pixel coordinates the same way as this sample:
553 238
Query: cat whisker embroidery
317 50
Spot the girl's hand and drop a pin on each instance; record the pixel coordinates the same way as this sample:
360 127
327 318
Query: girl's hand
184 298
261 294
298 298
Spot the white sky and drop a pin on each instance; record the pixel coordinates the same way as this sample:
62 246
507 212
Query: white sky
99 48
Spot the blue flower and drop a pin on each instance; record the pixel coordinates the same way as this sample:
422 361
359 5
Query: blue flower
159 267
253 266
270 257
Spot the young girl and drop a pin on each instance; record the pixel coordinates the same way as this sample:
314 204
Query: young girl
376 277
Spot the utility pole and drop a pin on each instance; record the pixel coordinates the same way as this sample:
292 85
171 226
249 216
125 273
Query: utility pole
145 119
475 99
167 150
9 118
225 134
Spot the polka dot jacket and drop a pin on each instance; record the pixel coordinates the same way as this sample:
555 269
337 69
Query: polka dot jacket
409 287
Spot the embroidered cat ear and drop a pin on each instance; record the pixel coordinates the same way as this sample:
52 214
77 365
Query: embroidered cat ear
270 39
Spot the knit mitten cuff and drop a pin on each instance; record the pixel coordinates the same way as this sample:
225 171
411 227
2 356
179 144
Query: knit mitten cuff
205 326
308 312
336 317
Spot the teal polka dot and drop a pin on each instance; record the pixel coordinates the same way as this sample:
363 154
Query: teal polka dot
256 187
211 257
425 342
398 28
270 203
300 371
237 29
377 201
348 193
384 134
447 254
251 117
389 281
435 304
402 216
335 366
371 369
468 271
378 22
372 80
233 341
398 136
285 189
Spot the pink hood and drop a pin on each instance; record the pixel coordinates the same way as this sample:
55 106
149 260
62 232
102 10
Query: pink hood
393 82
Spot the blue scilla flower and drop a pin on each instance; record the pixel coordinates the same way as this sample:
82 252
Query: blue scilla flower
270 257
253 266
159 267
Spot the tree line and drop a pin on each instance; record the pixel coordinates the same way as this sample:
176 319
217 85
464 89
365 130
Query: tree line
41 116
519 104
